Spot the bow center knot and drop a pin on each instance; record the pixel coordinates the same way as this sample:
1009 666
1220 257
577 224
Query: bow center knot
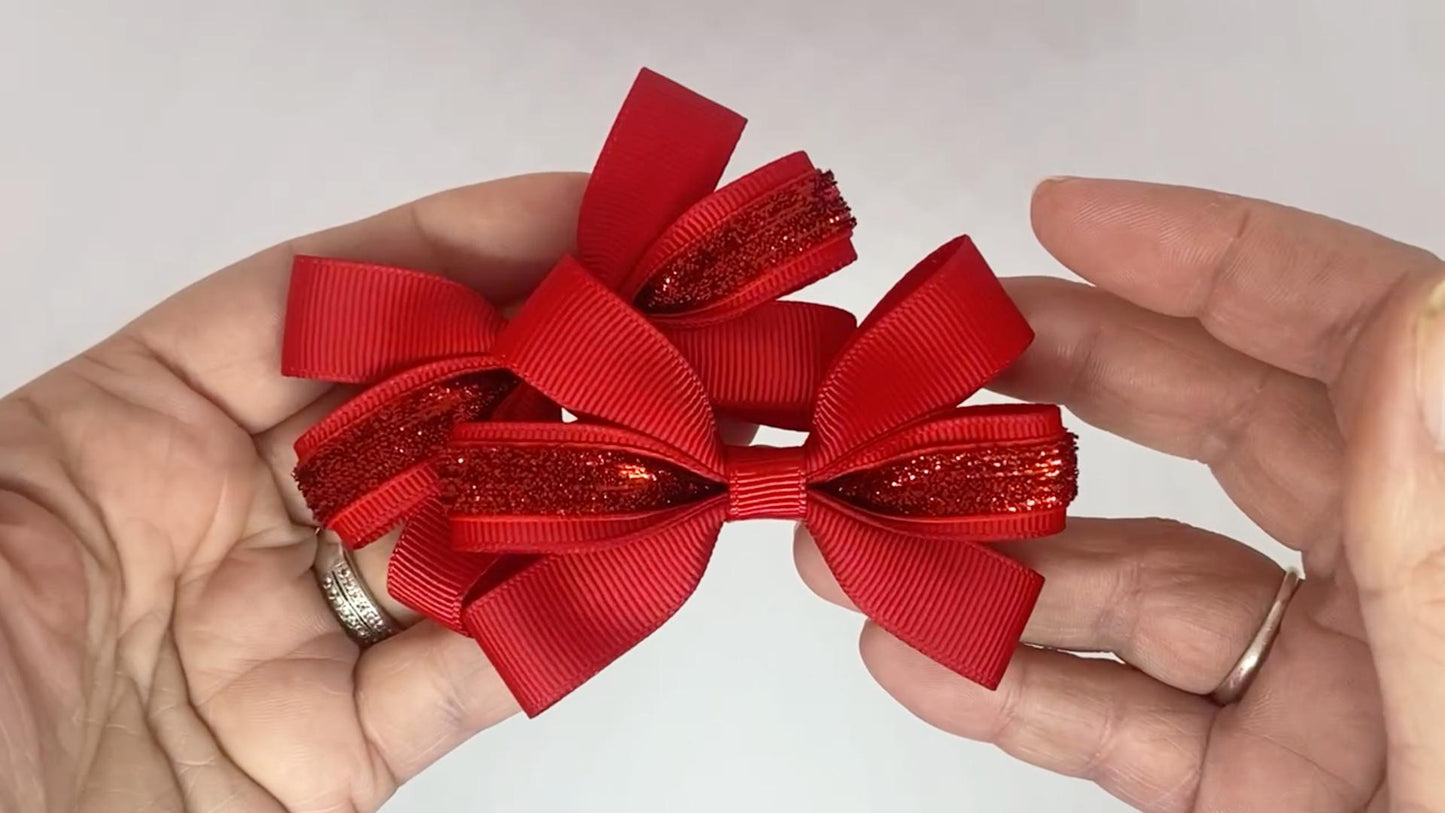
765 482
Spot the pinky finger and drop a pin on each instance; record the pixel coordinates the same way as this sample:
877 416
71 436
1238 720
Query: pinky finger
1095 719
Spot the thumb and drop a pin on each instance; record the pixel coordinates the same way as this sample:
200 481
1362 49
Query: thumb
1395 537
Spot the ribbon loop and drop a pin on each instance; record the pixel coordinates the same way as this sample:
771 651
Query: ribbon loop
983 472
614 365
356 323
668 148
762 236
898 490
365 466
703 264
558 546
764 366
941 333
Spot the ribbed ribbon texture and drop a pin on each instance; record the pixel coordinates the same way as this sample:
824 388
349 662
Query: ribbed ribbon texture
706 264
559 546
606 525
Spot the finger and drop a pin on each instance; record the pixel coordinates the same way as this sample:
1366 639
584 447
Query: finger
1178 603
1395 530
814 570
1298 718
222 335
277 447
1269 436
1138 739
371 567
424 692
1312 715
1290 288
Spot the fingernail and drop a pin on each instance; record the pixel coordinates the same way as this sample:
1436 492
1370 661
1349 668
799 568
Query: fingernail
1430 363
1053 179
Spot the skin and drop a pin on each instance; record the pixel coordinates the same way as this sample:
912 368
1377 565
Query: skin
1279 348
164 645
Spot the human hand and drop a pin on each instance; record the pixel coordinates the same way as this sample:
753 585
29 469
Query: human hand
164 645
1302 360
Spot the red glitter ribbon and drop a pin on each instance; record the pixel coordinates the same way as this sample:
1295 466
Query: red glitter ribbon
706 266
587 536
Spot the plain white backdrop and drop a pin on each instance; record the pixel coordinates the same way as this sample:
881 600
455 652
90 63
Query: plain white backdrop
145 144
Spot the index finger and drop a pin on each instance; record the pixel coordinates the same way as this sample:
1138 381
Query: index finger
1290 288
222 335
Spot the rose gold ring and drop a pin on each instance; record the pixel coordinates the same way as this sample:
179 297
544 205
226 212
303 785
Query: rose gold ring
1237 681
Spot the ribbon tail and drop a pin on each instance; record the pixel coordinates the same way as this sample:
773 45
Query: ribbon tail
764 366
960 603
427 575
561 619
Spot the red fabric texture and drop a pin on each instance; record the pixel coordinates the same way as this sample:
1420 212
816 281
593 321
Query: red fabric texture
666 318
706 264
600 582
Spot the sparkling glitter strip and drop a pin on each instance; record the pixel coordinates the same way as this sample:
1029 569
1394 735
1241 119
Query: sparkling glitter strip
387 442
967 481
761 236
564 481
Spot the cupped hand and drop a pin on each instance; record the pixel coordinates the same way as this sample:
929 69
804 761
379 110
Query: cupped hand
1303 361
164 645
163 642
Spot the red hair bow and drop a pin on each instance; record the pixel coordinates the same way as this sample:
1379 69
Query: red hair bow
704 265
615 518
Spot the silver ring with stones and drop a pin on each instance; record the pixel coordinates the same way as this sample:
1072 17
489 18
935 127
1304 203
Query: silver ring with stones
353 605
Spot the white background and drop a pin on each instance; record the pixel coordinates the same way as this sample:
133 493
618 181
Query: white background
145 144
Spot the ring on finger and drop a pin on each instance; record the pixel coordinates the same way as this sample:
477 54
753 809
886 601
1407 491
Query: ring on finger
1239 678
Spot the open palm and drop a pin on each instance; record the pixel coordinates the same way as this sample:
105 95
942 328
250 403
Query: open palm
1280 348
164 645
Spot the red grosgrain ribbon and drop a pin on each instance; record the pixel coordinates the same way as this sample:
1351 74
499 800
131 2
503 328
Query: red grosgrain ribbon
614 519
706 266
